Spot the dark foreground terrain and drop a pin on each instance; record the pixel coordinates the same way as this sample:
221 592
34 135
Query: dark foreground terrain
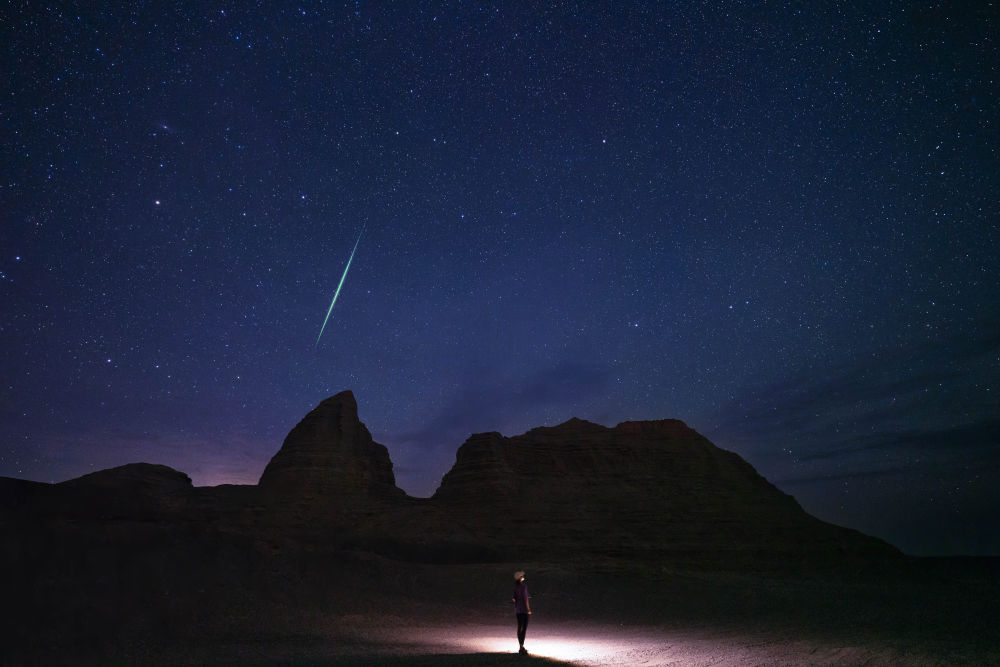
644 544
235 599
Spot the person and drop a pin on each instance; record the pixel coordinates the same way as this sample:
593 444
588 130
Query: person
522 607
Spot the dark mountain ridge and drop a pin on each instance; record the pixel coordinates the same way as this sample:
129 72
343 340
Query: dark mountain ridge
647 491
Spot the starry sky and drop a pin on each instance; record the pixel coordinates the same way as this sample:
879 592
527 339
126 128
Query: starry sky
776 221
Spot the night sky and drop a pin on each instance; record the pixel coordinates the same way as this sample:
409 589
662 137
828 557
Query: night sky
777 222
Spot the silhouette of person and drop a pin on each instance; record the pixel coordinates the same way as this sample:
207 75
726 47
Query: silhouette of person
522 607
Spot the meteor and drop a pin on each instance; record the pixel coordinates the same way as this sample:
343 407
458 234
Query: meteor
339 285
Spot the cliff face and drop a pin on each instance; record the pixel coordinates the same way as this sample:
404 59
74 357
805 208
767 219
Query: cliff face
654 489
330 456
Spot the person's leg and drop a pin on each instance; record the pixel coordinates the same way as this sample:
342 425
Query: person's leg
522 628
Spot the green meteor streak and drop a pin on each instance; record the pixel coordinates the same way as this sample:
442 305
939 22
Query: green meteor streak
339 285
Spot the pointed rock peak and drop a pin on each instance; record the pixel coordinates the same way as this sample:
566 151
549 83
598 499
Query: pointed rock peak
345 399
335 418
331 451
342 407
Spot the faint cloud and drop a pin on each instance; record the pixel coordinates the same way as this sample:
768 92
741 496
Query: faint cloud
484 402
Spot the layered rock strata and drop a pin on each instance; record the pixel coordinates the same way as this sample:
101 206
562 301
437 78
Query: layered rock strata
648 490
331 458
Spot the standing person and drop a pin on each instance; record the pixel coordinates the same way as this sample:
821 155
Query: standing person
522 607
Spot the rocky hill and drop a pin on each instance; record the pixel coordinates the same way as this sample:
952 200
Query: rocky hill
641 490
329 468
652 491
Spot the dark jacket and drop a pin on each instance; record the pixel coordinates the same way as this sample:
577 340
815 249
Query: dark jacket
521 597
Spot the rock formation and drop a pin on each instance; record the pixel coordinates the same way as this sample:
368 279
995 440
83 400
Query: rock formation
641 490
136 565
652 491
145 478
330 458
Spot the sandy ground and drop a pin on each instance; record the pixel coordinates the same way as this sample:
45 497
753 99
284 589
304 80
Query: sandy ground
565 643
590 644
381 612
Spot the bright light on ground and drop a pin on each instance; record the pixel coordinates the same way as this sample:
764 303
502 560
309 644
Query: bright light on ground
592 644
567 643
557 647
589 645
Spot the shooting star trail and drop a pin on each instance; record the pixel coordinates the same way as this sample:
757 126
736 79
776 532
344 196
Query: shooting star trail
339 285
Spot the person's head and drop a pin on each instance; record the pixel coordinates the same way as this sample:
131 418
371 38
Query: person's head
519 575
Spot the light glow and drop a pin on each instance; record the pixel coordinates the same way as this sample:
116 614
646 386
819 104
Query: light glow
555 647
576 645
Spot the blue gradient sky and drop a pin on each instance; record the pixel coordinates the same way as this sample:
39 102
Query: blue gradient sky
775 222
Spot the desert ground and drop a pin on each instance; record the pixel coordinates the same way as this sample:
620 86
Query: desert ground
571 643
372 611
